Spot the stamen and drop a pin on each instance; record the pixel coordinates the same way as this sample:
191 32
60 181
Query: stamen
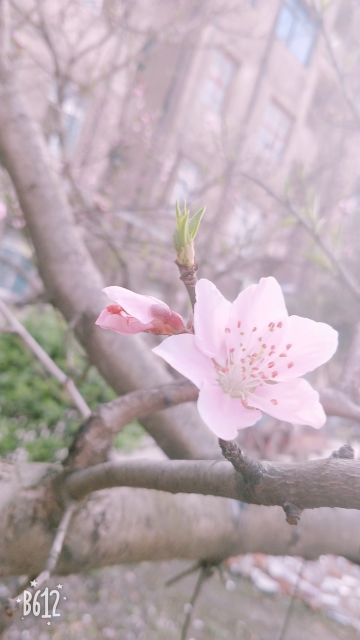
274 401
290 365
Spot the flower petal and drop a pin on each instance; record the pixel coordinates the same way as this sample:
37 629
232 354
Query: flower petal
211 315
260 303
121 324
293 401
135 304
307 344
254 309
223 414
182 353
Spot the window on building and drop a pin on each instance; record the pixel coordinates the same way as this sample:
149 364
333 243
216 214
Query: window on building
245 221
71 115
297 29
187 180
274 132
219 76
16 269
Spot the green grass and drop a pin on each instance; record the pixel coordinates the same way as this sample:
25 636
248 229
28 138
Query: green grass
35 412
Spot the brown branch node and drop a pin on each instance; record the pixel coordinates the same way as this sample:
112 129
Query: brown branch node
345 451
188 277
251 470
292 512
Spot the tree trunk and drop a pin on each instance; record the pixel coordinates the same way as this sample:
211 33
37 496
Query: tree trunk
73 282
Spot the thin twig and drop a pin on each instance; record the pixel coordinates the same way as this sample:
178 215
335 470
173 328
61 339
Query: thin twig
205 572
290 608
57 544
339 268
183 574
13 603
46 361
189 278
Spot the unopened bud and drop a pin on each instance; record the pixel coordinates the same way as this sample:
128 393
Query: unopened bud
187 227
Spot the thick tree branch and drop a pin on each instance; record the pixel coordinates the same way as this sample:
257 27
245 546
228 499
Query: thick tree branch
329 482
94 439
130 525
74 283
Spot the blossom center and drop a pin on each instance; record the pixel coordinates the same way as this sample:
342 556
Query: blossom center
252 360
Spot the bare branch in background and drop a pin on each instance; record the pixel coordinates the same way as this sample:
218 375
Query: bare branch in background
47 362
340 76
339 268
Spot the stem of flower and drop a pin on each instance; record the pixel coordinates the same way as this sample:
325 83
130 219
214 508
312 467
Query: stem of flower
188 276
251 470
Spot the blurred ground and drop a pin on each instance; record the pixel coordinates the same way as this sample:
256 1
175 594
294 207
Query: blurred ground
133 603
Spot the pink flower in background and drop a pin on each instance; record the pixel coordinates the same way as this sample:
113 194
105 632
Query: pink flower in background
248 357
133 313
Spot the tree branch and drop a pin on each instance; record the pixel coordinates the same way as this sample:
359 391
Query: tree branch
74 283
126 525
328 482
47 362
95 437
339 268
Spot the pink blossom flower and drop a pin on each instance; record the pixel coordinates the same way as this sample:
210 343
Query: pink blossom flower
132 313
248 357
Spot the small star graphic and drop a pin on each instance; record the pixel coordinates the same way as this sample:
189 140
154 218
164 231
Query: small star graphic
59 586
48 623
64 597
22 617
18 600
33 583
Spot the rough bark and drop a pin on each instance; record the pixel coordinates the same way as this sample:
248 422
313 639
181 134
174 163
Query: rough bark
94 439
329 482
73 281
130 525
